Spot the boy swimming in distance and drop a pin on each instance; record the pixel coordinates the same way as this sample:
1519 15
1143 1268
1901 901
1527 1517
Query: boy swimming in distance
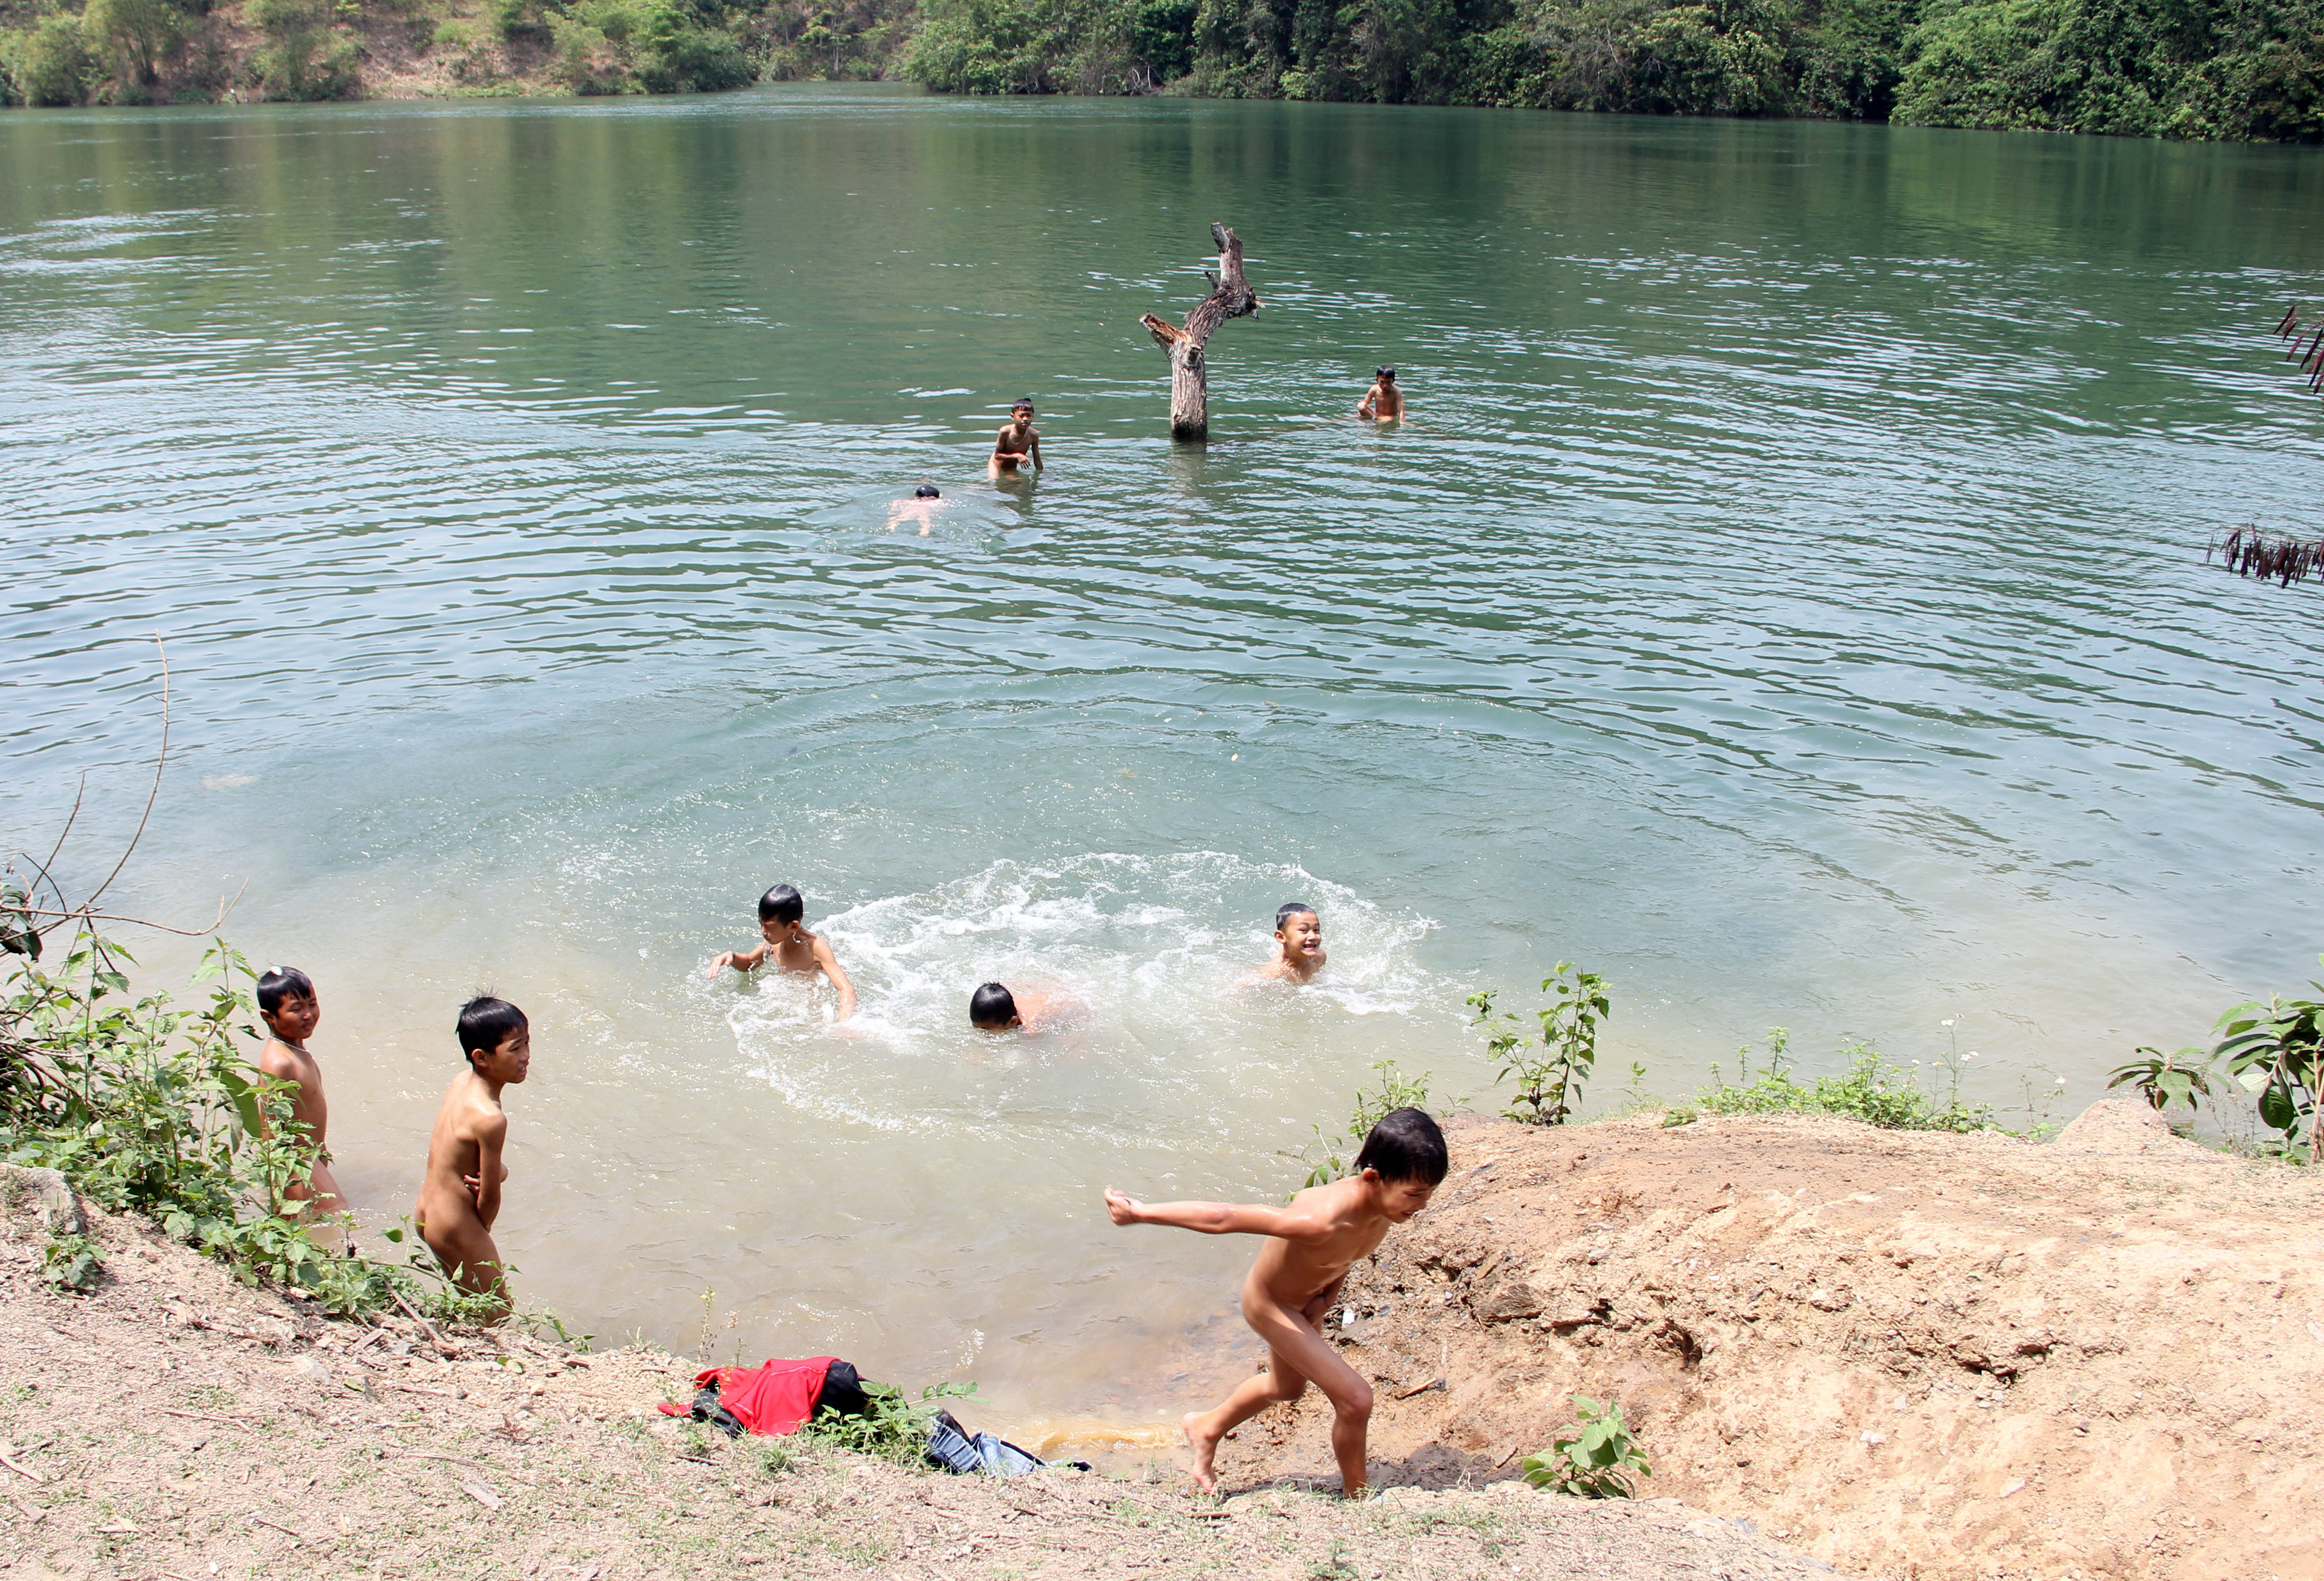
1311 1245
1298 946
287 1004
782 923
460 1195
994 1009
1018 441
1383 402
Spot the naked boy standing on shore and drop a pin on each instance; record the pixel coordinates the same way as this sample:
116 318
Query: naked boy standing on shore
287 1004
1311 1245
460 1197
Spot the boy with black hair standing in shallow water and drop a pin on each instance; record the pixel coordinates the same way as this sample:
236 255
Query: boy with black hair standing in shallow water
287 1004
1311 1245
1017 442
782 923
460 1196
1383 402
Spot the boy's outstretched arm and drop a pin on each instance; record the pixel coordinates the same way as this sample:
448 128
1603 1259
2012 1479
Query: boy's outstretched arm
1220 1218
740 959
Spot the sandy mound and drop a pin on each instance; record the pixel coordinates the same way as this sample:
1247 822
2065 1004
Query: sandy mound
1918 1355
172 1425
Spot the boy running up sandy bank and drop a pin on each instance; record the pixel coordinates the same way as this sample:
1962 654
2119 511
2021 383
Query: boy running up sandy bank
1311 1245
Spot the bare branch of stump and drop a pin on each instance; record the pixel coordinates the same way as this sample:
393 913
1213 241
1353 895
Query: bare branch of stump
1190 384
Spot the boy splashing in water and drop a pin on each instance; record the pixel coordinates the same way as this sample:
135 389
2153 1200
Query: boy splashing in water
1311 1245
288 1005
460 1197
1298 946
782 923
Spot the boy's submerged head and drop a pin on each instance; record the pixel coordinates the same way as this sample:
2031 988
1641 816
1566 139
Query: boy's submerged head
1406 1152
993 1008
926 492
498 1031
278 983
781 905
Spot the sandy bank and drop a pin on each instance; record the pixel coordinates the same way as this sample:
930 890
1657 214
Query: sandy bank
173 1425
1915 1355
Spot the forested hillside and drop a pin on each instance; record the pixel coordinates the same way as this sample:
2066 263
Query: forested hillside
2203 69
2224 68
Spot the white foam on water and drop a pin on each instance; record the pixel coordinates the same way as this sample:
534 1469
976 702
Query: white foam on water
1152 953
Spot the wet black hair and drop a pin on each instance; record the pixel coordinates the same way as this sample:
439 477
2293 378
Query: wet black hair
1025 402
926 492
992 1005
1291 908
1406 1146
486 1022
281 983
782 904
1383 373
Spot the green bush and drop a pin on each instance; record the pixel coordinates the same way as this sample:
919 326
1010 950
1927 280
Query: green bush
1871 1090
147 1107
50 63
132 38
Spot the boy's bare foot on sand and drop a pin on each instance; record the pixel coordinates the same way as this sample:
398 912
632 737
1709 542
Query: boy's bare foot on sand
1204 1446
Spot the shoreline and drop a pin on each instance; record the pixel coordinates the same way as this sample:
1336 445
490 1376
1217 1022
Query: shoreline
1925 1354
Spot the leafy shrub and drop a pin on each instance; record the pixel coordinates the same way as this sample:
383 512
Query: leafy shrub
50 63
1372 1105
145 1106
895 1429
1552 1063
72 1262
1597 1462
132 38
2276 1051
1871 1090
304 55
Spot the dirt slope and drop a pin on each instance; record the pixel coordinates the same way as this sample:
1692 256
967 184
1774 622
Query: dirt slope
1918 1355
172 1427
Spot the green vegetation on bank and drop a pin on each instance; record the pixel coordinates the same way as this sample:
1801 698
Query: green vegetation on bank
148 1107
2200 69
166 52
2238 69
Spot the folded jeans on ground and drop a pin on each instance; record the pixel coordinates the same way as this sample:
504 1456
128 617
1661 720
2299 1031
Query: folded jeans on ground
966 1454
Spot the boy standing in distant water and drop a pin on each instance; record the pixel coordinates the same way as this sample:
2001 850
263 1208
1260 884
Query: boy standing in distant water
1383 402
782 923
460 1195
1311 1245
1018 441
287 1003
1298 946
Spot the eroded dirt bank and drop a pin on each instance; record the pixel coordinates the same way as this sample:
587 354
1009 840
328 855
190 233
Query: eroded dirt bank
1913 1355
172 1425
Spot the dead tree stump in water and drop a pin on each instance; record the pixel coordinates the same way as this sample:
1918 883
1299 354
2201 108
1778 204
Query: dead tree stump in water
1190 379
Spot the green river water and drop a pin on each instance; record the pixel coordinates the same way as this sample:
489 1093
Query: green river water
1787 600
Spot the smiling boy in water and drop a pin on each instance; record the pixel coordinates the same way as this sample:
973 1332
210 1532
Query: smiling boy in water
782 923
287 1004
460 1195
1298 946
1311 1245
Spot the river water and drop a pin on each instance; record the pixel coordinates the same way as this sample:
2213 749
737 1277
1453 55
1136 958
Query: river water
1788 599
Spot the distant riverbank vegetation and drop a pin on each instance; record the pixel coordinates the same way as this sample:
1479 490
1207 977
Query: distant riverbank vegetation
2243 69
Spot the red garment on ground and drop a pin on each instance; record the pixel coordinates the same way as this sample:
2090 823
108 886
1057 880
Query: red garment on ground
774 1398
